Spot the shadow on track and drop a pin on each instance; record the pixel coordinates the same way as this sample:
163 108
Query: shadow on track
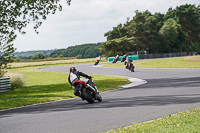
120 100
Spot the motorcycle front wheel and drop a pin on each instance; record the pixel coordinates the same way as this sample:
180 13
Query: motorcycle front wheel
99 98
96 63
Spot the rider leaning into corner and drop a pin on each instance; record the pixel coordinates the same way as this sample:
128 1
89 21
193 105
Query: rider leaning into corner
74 75
124 56
99 58
126 62
117 57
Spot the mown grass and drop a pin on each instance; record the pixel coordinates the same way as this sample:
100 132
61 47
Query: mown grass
192 59
43 87
183 122
52 63
181 62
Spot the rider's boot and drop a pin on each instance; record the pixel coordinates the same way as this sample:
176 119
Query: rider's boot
79 95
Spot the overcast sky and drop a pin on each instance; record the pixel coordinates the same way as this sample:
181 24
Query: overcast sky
86 21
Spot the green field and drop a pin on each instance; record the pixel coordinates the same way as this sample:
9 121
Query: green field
44 63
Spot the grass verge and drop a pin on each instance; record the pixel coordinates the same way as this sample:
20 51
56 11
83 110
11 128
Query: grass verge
184 122
43 87
180 62
53 63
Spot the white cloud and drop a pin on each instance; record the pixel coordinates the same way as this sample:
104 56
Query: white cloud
86 21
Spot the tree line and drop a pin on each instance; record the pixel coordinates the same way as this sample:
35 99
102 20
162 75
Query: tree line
178 30
79 51
28 54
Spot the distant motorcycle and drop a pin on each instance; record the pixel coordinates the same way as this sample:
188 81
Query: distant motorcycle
115 60
131 67
87 92
123 59
96 62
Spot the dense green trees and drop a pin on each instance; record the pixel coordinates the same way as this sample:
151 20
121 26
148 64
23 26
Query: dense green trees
85 50
170 33
189 19
176 31
28 54
117 41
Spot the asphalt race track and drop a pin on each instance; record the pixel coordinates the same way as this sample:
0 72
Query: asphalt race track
166 92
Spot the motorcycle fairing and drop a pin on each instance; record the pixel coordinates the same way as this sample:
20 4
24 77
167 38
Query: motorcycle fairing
79 81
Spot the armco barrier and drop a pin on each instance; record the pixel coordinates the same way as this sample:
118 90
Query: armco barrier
5 84
132 57
152 56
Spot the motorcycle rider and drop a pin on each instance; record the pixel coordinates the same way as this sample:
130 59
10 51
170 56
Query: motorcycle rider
117 57
126 62
74 75
99 58
123 58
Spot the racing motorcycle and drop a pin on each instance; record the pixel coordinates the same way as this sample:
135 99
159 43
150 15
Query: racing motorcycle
123 59
96 62
87 91
131 67
114 60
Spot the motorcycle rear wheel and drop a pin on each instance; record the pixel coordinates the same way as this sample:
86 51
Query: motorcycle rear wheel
87 96
132 69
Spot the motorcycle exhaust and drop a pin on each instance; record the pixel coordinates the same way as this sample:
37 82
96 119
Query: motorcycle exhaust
91 88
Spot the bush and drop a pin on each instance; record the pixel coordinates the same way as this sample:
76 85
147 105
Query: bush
17 60
17 80
79 56
38 56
